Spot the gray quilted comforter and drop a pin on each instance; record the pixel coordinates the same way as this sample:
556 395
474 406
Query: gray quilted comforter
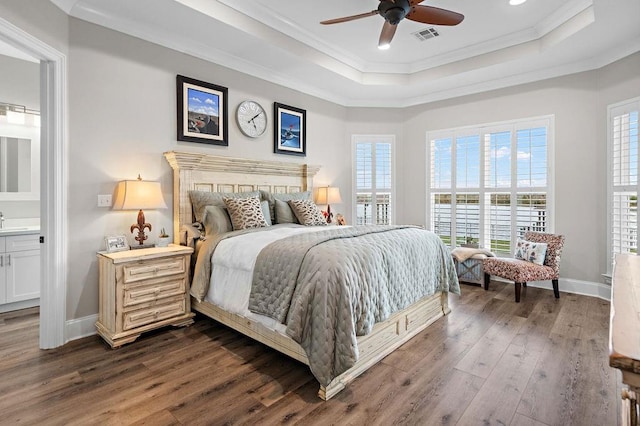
331 286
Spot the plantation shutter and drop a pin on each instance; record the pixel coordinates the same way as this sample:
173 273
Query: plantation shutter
441 185
373 177
623 141
490 184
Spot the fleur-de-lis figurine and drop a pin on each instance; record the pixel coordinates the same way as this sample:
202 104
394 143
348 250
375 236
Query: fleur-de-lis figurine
140 226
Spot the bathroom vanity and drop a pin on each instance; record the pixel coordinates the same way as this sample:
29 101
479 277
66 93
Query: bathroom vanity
19 268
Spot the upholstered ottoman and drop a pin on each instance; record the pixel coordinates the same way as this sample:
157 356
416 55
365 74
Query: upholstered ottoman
468 262
470 270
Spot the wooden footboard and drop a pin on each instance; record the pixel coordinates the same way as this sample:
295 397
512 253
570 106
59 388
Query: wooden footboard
386 336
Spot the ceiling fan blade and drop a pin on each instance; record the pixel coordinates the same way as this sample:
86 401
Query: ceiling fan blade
349 18
388 31
434 15
415 2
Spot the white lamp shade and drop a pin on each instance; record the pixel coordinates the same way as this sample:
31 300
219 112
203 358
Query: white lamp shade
138 195
328 195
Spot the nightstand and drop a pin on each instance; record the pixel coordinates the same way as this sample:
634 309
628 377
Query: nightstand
141 290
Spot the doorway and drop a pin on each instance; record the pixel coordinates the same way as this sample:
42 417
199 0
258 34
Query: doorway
53 185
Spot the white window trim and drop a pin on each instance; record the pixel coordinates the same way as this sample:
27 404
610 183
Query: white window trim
359 138
617 108
547 121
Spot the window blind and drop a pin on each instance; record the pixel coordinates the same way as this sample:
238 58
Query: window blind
490 183
373 178
623 179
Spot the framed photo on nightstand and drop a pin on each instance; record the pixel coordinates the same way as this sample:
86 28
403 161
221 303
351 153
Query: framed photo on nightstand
116 243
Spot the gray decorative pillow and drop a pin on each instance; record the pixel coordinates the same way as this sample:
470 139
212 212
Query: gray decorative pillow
245 213
216 220
271 197
202 199
307 212
264 205
283 212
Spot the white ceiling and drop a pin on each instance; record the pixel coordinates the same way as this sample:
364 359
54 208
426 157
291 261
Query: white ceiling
497 45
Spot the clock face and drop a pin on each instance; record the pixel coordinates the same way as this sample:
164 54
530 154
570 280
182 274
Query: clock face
252 119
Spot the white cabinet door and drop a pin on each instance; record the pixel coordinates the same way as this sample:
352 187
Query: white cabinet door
3 273
22 270
3 280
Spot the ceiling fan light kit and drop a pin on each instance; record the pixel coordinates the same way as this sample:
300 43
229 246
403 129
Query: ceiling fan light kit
394 11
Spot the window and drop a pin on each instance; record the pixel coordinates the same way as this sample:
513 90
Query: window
623 177
373 179
489 184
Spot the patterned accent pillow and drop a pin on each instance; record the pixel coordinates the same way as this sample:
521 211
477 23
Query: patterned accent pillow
202 199
530 251
272 198
245 213
307 212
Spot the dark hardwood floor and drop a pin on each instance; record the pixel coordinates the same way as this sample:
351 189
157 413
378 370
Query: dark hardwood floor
491 361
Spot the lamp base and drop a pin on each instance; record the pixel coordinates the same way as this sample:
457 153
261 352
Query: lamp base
140 226
138 246
329 214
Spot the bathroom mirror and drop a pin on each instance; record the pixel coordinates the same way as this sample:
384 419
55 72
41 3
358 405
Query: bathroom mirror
19 164
15 164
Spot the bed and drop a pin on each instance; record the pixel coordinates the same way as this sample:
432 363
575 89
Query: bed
215 174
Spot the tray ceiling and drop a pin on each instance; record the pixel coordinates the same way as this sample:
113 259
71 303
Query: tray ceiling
497 45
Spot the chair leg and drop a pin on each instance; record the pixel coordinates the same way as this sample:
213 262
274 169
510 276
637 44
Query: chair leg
524 285
518 287
487 278
556 291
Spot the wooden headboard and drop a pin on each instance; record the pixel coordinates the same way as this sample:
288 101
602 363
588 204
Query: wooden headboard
213 173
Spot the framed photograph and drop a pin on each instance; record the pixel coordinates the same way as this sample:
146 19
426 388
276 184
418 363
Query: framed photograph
116 243
290 130
202 112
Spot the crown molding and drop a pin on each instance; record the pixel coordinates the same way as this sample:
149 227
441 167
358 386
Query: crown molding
452 77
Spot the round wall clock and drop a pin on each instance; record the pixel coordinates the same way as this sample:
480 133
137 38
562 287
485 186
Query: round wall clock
252 119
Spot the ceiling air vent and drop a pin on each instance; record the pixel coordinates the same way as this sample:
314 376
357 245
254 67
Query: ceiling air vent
426 34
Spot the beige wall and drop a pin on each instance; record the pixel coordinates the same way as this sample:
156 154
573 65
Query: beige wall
122 118
41 19
579 104
122 100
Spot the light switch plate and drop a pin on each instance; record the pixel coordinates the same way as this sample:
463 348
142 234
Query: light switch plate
104 200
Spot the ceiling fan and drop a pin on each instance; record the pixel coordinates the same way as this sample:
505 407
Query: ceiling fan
394 11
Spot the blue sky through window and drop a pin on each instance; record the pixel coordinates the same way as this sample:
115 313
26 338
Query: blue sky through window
364 168
531 162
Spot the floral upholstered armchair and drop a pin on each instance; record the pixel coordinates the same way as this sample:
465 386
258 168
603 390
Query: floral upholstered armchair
521 271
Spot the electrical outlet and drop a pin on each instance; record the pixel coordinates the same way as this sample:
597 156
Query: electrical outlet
104 200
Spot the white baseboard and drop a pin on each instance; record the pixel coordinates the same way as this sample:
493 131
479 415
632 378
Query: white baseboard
569 285
7 307
80 327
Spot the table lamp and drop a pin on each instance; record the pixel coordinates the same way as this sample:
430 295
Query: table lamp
328 195
138 195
